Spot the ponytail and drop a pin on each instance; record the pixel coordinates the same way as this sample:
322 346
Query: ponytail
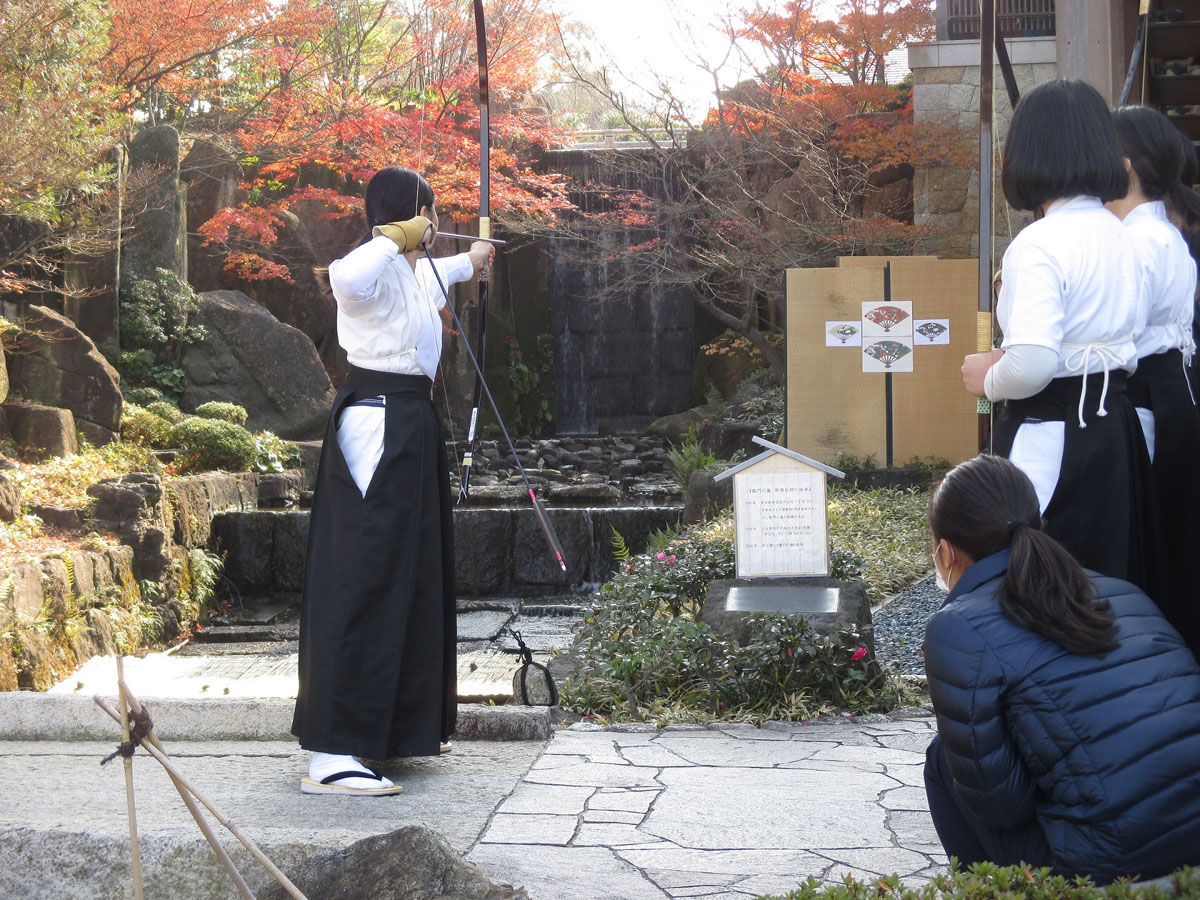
1165 162
1185 204
1046 590
986 505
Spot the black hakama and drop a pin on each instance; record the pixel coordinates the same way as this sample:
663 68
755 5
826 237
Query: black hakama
377 626
1162 386
1103 509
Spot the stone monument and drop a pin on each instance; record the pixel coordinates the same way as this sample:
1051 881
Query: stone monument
781 544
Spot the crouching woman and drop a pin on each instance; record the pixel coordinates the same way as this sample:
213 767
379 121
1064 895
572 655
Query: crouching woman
1068 709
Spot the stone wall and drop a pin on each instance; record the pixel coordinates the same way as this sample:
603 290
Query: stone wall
498 552
59 611
946 91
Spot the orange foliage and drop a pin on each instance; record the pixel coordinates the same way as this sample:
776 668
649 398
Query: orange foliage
401 89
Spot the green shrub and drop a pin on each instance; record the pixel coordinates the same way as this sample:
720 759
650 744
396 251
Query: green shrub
207 444
141 426
984 881
273 454
166 410
142 396
154 315
689 457
228 412
643 651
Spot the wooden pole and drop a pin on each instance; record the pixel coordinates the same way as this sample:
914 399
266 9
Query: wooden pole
127 762
205 828
983 317
177 777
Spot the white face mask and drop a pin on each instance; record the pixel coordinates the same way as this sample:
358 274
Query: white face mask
939 577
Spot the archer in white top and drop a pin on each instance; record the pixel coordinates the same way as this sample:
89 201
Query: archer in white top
1069 305
1168 276
387 316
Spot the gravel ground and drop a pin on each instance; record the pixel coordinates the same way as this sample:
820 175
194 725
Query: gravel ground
900 626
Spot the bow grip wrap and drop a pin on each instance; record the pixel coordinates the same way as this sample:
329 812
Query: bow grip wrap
408 235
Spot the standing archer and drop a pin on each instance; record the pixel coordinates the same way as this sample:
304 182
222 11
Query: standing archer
377 626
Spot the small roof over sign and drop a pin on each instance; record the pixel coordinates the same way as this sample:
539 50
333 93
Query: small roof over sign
776 448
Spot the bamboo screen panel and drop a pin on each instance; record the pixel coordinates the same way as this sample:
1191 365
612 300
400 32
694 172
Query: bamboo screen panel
846 262
833 407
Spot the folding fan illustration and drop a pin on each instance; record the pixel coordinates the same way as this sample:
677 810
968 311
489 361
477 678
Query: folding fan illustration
932 330
843 332
887 352
886 316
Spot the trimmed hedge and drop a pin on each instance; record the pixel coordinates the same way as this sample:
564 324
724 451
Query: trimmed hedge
984 881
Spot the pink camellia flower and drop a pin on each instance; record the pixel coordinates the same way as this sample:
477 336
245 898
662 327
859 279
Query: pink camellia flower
859 654
661 555
671 559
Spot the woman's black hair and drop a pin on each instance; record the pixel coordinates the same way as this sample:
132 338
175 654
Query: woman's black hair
986 505
1158 153
393 195
1061 143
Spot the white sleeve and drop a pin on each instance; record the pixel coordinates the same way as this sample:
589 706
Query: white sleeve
452 270
355 277
1031 303
1022 372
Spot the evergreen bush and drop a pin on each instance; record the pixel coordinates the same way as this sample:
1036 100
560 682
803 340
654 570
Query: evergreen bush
217 409
207 444
144 427
985 881
168 411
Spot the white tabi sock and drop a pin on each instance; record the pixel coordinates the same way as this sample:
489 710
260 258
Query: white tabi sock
322 765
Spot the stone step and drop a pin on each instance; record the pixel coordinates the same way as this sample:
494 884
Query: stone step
33 716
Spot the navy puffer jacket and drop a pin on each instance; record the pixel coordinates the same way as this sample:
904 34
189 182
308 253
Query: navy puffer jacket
1103 752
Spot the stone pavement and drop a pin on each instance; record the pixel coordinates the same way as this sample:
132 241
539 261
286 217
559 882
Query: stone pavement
631 813
722 813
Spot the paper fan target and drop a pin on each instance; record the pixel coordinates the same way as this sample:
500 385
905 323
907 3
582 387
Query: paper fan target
887 352
932 330
886 317
843 332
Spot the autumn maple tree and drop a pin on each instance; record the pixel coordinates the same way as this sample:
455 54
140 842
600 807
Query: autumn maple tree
808 159
378 84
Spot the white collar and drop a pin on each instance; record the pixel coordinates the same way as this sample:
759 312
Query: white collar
1151 210
1082 201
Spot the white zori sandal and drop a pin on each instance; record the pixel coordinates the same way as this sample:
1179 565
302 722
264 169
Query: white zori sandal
329 784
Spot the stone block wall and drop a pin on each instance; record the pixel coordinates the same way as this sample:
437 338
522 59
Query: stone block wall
499 552
59 611
946 92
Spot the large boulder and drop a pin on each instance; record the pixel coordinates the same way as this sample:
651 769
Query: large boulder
413 863
212 176
303 304
158 229
251 358
45 428
56 364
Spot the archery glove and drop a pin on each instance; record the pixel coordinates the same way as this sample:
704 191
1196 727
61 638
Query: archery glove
409 235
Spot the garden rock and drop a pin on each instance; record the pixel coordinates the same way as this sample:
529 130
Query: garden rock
251 358
302 303
133 506
44 428
212 176
159 236
723 439
674 427
413 863
64 518
705 496
10 499
58 365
